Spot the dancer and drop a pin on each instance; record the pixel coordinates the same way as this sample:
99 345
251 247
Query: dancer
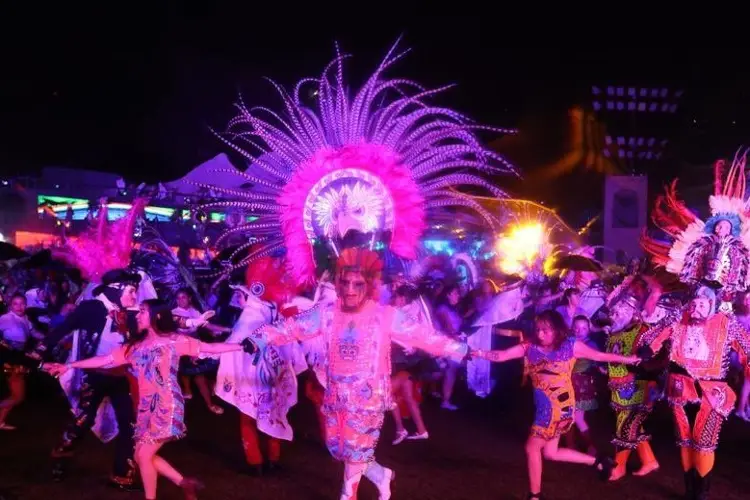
634 392
16 331
549 358
103 324
154 355
369 168
699 345
190 369
263 389
585 378
357 333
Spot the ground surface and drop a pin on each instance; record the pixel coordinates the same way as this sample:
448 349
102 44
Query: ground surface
475 453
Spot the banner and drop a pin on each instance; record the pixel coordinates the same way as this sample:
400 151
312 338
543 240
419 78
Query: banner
625 215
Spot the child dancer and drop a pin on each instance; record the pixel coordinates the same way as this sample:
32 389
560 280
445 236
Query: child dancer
154 355
549 358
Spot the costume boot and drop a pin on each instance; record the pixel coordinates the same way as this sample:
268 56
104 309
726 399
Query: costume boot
702 485
381 477
621 463
690 478
648 460
352 474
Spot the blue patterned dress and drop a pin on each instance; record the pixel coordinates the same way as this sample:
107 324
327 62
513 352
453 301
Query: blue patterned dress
554 398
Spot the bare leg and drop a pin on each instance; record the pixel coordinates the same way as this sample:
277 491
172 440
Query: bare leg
580 421
17 387
165 469
187 389
202 383
552 451
449 382
416 414
534 448
144 456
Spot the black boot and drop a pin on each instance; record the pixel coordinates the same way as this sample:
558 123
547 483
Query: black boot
702 485
690 478
59 470
604 466
535 496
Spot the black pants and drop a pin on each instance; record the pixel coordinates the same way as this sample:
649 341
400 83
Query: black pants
95 387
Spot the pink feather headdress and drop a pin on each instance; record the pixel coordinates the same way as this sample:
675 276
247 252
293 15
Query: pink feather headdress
104 246
383 162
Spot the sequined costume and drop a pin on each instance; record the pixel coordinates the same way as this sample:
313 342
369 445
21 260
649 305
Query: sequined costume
699 355
373 167
161 407
633 396
554 398
358 350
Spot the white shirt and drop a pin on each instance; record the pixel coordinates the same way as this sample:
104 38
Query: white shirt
15 329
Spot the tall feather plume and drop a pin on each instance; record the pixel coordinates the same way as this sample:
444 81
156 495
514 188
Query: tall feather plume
414 146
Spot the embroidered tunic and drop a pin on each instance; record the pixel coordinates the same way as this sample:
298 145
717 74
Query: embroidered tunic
357 349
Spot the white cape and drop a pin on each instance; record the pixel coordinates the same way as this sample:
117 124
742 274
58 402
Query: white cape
267 390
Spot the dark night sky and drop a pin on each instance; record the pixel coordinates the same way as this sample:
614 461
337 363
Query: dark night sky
135 92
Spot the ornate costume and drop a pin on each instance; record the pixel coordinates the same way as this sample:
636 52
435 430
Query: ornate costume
698 344
263 389
99 326
711 257
712 253
370 169
634 391
358 375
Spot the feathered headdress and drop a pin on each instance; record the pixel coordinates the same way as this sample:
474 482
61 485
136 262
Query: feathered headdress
268 279
104 246
381 162
727 203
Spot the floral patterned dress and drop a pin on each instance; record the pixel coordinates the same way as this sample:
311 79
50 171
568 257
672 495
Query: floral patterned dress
161 408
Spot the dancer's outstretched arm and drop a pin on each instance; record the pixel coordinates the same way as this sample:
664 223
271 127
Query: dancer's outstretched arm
515 352
116 358
581 350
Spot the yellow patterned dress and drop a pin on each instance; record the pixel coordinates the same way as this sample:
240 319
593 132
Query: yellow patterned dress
554 398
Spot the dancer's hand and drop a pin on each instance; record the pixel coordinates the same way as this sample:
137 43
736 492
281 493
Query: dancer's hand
203 318
633 360
55 369
249 346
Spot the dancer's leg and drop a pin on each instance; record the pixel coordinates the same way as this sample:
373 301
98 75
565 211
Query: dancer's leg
17 389
381 477
144 456
187 389
250 444
352 475
411 402
552 451
648 461
534 447
92 393
165 469
203 387
397 392
449 382
274 450
123 473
